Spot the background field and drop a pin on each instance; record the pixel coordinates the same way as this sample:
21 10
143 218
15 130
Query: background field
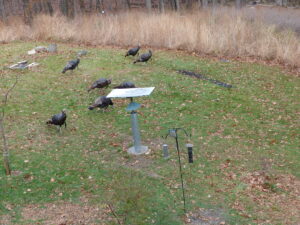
246 139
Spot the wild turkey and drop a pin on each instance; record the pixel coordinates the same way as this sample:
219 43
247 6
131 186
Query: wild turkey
125 85
59 119
144 57
101 102
133 51
71 65
100 83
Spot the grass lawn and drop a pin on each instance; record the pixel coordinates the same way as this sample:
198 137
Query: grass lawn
246 166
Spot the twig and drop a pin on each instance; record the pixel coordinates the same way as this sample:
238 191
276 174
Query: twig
113 212
4 101
2 130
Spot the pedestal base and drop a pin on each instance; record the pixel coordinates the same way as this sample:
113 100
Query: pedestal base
137 151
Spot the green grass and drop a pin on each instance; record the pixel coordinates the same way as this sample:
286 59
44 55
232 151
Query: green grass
257 120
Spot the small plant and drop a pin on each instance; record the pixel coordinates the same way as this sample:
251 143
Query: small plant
5 95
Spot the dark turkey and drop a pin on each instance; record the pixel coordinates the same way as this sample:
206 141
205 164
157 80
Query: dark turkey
101 83
144 57
101 102
59 119
133 51
71 65
125 85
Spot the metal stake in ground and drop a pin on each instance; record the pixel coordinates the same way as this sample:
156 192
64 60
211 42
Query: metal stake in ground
137 148
173 133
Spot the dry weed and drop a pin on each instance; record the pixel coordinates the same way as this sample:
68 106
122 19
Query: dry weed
223 32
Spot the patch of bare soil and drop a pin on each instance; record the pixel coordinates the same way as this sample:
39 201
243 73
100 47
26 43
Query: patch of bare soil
62 213
5 219
207 217
141 164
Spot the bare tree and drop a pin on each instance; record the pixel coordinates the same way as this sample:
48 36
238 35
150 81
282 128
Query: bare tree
91 6
199 3
223 2
71 8
204 3
161 6
98 5
189 4
127 4
6 162
214 3
48 7
82 6
63 5
177 5
281 2
240 3
2 10
27 12
149 5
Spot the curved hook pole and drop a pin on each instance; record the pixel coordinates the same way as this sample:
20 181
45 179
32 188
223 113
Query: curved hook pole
165 136
176 130
186 133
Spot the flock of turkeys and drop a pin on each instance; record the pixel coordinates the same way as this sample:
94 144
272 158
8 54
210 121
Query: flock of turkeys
101 102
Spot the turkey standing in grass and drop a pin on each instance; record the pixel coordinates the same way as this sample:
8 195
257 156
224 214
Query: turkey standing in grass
144 57
101 83
59 119
71 65
125 85
102 102
133 51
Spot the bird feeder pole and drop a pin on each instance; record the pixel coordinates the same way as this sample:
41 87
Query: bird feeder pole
137 148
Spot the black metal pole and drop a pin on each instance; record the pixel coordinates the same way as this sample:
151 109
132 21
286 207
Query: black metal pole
180 170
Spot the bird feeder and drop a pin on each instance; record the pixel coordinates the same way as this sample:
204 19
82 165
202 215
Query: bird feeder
137 148
174 133
190 152
165 151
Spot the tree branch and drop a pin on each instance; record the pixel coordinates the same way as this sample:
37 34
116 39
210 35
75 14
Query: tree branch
113 212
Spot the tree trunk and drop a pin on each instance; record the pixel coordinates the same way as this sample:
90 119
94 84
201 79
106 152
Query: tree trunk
204 3
199 3
127 4
82 6
177 5
27 12
240 3
98 6
63 5
5 149
279 2
148 5
91 6
2 10
189 4
48 7
282 2
71 5
37 7
214 3
161 6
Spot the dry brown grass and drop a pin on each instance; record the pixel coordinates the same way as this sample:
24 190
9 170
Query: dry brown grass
223 32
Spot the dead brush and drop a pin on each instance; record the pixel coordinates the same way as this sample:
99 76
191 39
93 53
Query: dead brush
222 32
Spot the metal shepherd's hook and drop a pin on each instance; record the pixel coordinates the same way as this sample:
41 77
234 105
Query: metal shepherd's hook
174 133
